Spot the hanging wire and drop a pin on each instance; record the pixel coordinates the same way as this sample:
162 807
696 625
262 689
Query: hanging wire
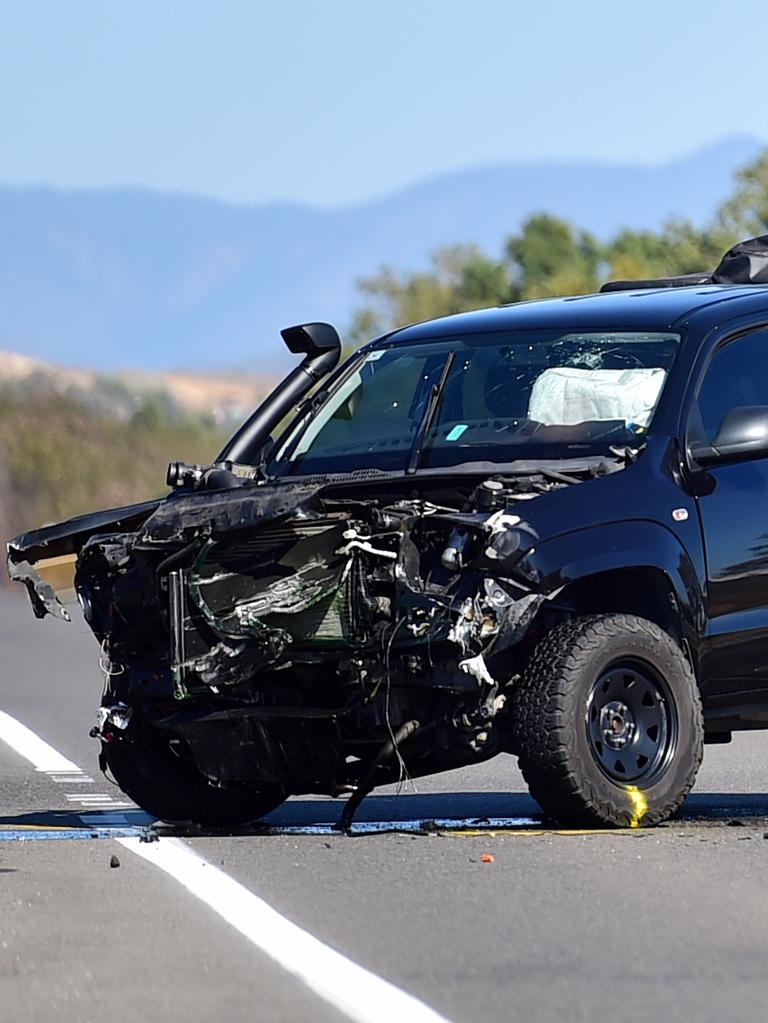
403 776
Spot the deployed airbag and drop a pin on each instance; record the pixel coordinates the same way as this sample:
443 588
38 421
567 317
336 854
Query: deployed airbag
566 395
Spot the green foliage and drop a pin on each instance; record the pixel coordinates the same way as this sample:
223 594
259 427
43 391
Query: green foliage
461 278
679 249
59 458
745 214
152 412
551 257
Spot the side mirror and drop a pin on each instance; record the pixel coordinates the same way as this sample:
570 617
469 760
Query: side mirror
743 434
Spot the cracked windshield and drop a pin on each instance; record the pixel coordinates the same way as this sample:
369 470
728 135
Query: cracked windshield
497 398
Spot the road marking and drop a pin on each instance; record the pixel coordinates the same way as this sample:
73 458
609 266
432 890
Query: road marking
44 834
95 797
34 749
47 760
353 990
97 802
540 832
421 825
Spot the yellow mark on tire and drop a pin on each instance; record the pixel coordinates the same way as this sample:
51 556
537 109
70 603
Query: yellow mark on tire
639 805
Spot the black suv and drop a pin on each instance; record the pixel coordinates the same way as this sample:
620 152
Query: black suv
540 529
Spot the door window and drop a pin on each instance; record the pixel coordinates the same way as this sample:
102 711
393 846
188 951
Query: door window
737 375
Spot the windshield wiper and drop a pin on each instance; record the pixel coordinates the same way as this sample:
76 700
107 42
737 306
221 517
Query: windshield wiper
429 414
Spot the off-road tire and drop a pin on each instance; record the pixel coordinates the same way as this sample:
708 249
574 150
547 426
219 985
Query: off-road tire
551 731
174 791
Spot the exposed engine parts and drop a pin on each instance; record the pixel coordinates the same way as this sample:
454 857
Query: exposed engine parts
381 624
313 639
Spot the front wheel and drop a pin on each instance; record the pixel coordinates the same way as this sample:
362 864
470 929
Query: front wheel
608 723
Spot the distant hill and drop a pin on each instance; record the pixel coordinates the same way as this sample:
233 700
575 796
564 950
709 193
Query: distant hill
149 280
224 398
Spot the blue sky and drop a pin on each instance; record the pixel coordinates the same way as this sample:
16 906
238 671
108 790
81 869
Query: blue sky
334 102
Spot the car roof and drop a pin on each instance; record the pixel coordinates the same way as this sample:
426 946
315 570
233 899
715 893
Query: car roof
643 309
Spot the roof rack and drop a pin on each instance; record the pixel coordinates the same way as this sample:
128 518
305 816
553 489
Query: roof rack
659 282
745 263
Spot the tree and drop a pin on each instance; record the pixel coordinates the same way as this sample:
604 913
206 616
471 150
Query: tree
679 248
745 214
461 278
550 257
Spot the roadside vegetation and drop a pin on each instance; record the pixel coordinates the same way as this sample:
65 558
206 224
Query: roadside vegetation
60 456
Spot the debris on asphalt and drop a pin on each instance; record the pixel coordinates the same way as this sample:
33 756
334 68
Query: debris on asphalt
114 861
487 858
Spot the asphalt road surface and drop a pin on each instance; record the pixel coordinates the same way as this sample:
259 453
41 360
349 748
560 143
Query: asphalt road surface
670 923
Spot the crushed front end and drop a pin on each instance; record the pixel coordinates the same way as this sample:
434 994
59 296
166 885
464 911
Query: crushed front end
288 638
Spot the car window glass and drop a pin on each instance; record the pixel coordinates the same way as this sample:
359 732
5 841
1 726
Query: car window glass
372 417
737 375
506 396
558 393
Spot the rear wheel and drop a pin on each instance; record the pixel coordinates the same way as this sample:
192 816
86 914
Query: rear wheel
608 722
172 789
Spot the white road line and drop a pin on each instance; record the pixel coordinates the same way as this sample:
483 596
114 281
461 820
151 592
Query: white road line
353 990
88 797
34 749
347 987
90 800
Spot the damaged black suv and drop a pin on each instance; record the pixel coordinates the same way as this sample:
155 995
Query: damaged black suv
538 529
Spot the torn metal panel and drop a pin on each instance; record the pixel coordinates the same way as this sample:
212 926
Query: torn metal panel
62 540
515 619
41 594
183 515
68 537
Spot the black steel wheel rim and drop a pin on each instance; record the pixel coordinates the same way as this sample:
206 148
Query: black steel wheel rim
632 723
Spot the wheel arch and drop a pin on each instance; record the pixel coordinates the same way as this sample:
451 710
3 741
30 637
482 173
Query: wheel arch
635 567
645 591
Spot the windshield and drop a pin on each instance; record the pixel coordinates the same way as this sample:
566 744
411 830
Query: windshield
494 397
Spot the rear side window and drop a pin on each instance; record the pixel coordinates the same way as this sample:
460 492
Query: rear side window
737 375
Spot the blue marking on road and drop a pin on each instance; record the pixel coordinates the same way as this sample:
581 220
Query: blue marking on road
419 825
67 834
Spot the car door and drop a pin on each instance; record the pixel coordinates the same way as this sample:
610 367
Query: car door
733 509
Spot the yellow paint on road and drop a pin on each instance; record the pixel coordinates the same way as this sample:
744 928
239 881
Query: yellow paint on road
39 827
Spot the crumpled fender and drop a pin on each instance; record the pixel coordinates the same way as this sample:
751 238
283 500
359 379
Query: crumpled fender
563 559
60 539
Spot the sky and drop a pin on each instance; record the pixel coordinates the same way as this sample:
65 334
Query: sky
338 101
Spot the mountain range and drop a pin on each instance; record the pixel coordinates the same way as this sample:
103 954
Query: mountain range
134 278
